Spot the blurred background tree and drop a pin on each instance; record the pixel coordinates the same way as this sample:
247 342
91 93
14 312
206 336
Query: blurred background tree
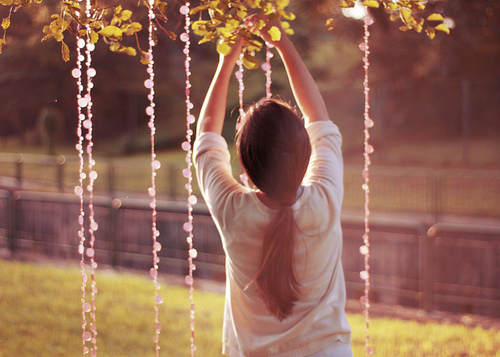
421 88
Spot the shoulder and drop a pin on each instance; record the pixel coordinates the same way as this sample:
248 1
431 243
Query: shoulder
209 141
319 129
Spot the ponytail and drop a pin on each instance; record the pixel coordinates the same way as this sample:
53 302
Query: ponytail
276 279
274 148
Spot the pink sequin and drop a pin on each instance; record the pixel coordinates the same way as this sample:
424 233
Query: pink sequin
87 336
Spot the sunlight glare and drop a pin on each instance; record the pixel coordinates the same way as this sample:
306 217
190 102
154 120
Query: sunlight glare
357 12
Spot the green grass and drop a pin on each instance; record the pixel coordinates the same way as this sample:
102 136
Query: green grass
40 316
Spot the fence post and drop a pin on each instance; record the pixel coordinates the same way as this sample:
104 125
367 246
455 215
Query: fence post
427 266
19 170
111 179
114 206
12 219
172 179
436 196
61 160
465 120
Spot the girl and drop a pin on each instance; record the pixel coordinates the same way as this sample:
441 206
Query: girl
285 289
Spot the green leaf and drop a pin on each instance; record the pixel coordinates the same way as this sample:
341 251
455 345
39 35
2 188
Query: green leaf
371 3
112 32
435 17
65 51
275 33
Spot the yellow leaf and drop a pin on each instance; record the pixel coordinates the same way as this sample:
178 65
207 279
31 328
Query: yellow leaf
6 23
47 37
430 32
330 24
128 50
94 37
282 3
111 32
223 48
6 2
58 36
275 33
347 3
371 3
118 9
125 15
115 21
136 26
162 6
114 47
443 28
435 17
241 13
65 51
250 61
390 5
406 16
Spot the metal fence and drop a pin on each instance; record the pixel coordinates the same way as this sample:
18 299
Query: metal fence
443 267
431 192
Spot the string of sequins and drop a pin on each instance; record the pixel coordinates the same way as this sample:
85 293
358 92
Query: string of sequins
187 172
368 149
155 165
266 67
77 74
241 89
85 121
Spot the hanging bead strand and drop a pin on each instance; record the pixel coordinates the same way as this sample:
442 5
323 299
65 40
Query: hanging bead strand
187 172
155 165
241 89
77 74
266 67
88 124
368 150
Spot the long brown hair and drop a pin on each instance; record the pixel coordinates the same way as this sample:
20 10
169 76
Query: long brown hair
274 149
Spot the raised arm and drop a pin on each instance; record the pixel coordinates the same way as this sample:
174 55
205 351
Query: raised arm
214 106
304 88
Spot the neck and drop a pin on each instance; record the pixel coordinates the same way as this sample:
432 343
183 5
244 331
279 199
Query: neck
272 203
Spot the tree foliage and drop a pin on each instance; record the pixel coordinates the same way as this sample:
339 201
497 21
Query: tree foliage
107 22
413 14
227 21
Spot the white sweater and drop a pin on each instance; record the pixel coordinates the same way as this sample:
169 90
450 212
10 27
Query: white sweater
318 318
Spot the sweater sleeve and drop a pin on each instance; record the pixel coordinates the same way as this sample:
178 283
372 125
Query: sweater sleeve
326 165
213 169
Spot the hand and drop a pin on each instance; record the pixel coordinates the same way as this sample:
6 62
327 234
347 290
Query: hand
234 55
272 32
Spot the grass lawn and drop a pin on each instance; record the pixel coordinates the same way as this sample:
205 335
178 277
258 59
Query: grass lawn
40 316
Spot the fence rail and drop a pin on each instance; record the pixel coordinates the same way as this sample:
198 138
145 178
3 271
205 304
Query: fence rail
432 192
442 267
